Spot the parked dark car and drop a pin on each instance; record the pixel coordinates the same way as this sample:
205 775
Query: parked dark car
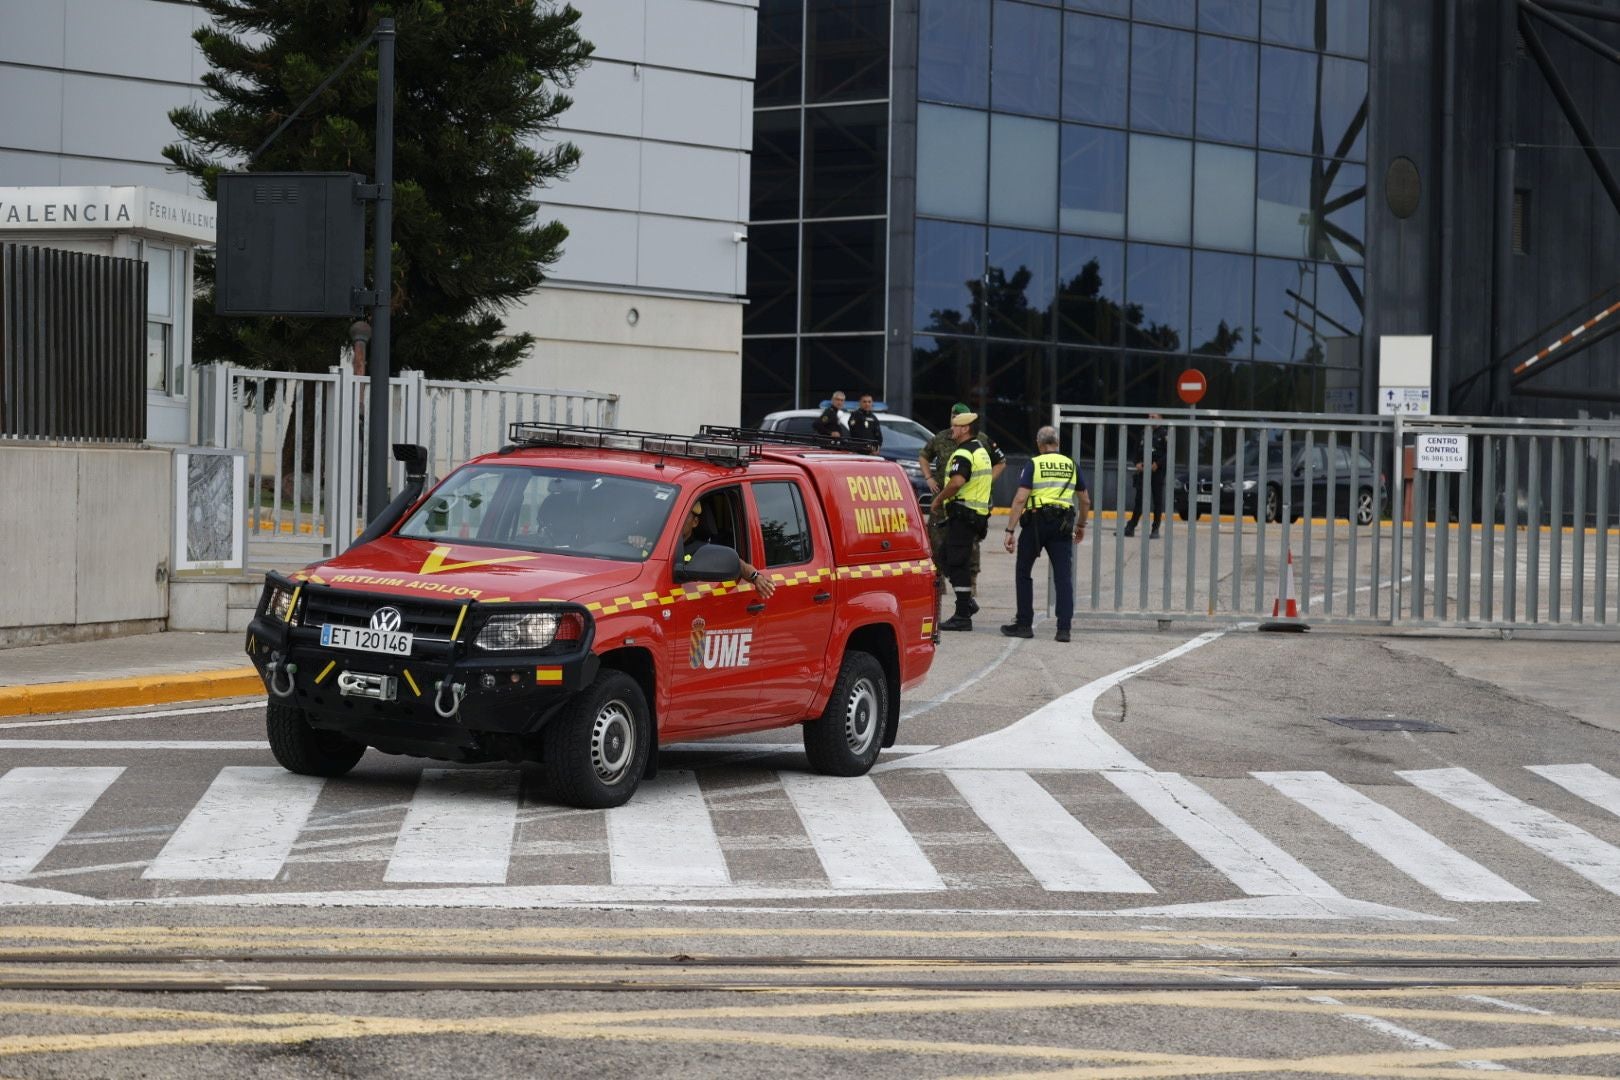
1307 467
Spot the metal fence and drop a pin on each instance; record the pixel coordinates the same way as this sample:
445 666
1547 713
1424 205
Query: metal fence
304 437
72 345
1260 509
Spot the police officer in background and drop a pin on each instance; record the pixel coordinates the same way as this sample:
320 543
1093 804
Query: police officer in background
864 427
828 423
966 500
1045 507
935 455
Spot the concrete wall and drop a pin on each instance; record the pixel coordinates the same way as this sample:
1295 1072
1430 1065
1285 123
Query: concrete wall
87 535
675 367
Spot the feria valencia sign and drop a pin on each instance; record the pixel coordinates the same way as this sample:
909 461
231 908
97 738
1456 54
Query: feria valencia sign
107 209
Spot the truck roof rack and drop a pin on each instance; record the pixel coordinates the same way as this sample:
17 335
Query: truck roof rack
715 451
760 435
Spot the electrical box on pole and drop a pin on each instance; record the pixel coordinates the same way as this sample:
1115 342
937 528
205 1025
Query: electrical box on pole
290 243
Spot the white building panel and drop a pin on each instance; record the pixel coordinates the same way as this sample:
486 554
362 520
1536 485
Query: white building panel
601 245
30 170
94 172
675 253
142 41
31 31
607 100
690 181
609 173
618 28
706 110
701 35
119 118
31 109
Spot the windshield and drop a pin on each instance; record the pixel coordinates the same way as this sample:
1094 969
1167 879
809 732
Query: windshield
557 511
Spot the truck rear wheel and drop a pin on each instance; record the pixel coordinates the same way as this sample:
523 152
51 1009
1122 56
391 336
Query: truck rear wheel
848 735
596 751
302 749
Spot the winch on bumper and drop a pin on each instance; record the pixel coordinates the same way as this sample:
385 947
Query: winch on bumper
456 667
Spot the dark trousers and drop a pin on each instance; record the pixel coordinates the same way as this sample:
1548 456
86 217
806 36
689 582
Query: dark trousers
963 531
1136 499
1053 534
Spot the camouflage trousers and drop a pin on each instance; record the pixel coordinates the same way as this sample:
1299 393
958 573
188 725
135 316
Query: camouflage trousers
936 542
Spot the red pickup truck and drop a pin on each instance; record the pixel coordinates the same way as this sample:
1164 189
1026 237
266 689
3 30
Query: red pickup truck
579 598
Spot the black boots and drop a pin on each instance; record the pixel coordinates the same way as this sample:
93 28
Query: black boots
1018 630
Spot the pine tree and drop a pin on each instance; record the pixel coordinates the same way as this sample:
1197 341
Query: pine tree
478 83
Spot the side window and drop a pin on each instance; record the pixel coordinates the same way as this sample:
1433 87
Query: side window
783 523
799 425
723 521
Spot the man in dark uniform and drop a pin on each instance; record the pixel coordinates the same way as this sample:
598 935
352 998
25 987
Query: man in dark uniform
934 456
691 541
1150 467
864 426
828 423
966 501
1045 508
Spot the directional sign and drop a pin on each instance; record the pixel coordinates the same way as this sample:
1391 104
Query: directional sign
1411 400
1442 453
1190 386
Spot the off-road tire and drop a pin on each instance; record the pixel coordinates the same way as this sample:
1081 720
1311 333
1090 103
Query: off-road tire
1366 508
302 749
1271 507
586 760
847 737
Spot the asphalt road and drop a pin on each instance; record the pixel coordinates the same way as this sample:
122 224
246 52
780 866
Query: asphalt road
1139 854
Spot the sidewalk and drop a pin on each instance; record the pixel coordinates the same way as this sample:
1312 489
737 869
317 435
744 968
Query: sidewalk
147 669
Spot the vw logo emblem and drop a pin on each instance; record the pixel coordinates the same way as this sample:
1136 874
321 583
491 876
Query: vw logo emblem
386 618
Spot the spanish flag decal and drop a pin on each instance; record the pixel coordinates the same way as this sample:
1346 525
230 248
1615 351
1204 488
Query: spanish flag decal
548 675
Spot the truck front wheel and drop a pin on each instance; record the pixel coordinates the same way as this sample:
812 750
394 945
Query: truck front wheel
848 735
596 751
301 749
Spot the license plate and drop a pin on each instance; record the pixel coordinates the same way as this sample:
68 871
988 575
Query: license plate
392 642
1205 500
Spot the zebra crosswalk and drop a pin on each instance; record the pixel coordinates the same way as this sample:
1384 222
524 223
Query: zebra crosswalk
256 827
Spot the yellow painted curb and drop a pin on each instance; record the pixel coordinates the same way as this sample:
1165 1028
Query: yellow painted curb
123 693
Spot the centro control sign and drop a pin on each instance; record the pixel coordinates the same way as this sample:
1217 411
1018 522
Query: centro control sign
1442 453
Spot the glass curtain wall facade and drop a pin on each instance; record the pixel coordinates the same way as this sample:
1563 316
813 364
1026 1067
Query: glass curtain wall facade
818 232
1106 192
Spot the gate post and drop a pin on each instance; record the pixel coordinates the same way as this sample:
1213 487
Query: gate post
1399 511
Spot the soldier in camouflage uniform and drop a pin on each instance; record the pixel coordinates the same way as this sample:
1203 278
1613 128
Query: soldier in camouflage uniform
936 453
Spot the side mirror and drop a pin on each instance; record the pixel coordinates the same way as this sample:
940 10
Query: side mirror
711 562
415 459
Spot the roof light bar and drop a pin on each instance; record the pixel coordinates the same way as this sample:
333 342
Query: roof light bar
715 451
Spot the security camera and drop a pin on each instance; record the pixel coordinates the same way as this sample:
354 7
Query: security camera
739 238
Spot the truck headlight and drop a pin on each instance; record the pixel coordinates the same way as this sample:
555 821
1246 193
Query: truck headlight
530 631
279 606
911 468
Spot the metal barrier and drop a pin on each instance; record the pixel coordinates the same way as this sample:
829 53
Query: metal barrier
1260 508
305 442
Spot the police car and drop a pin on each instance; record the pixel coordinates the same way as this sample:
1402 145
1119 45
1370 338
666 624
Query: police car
579 598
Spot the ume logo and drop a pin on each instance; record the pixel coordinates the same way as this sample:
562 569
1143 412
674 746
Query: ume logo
720 648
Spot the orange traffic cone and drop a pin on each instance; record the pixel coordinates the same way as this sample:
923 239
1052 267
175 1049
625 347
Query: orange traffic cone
1285 606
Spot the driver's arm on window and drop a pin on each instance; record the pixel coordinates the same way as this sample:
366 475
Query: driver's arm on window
761 582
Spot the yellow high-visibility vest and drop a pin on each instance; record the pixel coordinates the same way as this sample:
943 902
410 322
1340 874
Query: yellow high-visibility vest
975 494
1052 481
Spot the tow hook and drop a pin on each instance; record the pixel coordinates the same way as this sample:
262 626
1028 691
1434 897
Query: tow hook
276 668
457 692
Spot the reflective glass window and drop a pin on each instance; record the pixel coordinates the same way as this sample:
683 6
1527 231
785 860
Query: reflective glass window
1336 26
1091 290
1104 7
1019 378
1340 304
1222 300
846 160
770 373
1226 90
943 372
773 188
953 52
1343 213
1160 197
949 276
1145 381
1344 108
1085 377
783 524
1223 197
1020 283
1023 171
1287 99
1240 18
1096 61
1091 181
1284 302
847 50
839 363
773 280
843 275
778 74
1175 12
1282 205
1161 80
1024 59
1156 297
952 170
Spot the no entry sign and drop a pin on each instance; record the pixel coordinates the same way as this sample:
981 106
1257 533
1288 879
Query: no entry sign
1190 386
